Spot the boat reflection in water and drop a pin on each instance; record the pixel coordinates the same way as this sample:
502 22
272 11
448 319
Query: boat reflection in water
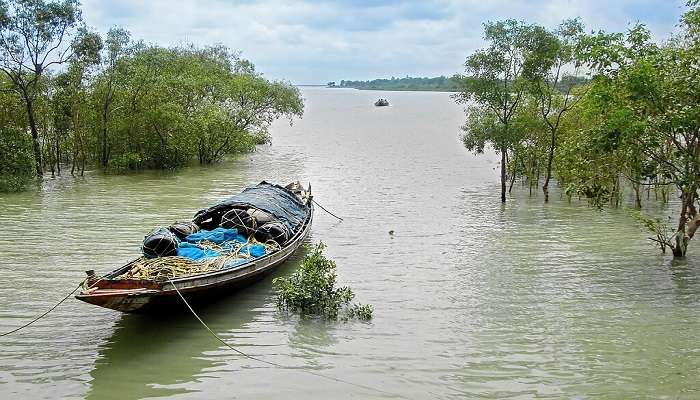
152 356
146 357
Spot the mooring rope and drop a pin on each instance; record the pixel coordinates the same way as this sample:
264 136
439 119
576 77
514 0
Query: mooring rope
324 209
332 378
45 313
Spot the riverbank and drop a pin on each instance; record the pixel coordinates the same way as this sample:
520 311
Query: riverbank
437 84
409 89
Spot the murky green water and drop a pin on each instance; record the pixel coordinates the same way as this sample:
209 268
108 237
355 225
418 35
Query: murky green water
471 299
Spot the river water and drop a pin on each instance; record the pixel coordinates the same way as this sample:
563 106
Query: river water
472 299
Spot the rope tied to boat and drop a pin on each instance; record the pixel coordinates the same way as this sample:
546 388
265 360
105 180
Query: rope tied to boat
81 284
324 209
320 375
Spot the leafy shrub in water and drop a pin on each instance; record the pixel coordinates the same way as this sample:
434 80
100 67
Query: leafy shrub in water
311 290
360 311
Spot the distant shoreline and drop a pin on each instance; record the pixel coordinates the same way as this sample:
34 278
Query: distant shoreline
407 84
417 89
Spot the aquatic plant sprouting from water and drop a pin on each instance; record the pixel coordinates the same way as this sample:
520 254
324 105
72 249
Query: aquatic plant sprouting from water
311 290
657 226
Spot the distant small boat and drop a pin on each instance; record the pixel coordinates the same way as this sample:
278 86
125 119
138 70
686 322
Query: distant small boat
381 103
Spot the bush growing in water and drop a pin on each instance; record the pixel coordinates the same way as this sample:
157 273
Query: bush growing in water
311 290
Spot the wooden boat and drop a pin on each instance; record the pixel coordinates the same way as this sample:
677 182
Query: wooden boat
144 296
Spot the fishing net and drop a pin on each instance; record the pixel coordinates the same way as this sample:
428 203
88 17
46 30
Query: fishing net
275 231
164 268
239 219
183 229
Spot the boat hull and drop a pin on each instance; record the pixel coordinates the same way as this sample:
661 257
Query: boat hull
162 302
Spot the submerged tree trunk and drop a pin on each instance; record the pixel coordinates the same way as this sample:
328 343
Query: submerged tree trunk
104 159
58 153
616 193
503 174
688 223
35 137
550 158
76 141
637 195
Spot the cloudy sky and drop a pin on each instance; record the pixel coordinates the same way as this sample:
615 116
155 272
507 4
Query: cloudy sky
314 41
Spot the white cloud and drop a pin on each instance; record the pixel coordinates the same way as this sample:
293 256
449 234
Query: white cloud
314 41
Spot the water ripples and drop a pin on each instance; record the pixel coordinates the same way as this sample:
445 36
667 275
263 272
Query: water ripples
472 299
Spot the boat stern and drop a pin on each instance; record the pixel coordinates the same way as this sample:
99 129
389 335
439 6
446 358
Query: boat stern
121 296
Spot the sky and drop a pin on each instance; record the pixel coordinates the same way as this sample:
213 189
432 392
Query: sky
314 42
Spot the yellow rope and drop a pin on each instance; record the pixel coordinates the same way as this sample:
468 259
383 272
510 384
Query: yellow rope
45 313
164 268
318 374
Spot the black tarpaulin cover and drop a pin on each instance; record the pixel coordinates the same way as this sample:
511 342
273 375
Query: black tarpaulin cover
273 199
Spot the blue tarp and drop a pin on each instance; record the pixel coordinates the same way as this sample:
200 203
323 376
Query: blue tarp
195 252
273 199
229 239
254 250
218 236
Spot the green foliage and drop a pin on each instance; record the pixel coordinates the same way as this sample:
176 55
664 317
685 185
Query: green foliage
360 311
480 129
36 35
640 121
311 290
587 159
529 153
663 234
495 86
167 106
125 105
553 56
16 168
16 159
633 123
